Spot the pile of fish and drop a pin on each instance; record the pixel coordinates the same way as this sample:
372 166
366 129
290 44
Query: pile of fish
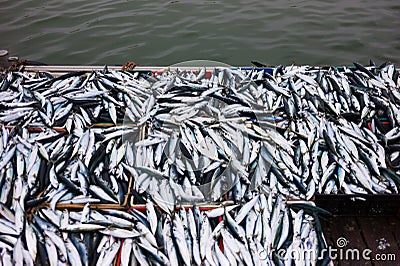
265 231
258 138
303 129
73 101
54 152
89 166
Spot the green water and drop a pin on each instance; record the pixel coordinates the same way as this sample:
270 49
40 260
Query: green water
233 32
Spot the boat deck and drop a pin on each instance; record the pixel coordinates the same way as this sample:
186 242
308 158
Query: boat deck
380 234
373 223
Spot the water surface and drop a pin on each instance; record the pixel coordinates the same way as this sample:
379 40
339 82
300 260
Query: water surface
235 32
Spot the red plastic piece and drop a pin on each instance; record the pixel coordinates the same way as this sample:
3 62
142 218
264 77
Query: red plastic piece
118 262
221 243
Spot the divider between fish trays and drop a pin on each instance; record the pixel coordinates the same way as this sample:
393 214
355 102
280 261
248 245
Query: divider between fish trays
202 207
61 129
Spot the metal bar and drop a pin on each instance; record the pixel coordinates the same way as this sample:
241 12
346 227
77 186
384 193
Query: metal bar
92 206
38 129
63 68
57 68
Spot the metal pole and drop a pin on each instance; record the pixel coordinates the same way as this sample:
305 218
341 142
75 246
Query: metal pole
3 58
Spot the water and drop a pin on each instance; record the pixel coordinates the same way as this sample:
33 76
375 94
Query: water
234 32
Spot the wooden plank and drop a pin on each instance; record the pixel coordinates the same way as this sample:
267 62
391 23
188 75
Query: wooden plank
361 232
394 226
379 238
344 228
